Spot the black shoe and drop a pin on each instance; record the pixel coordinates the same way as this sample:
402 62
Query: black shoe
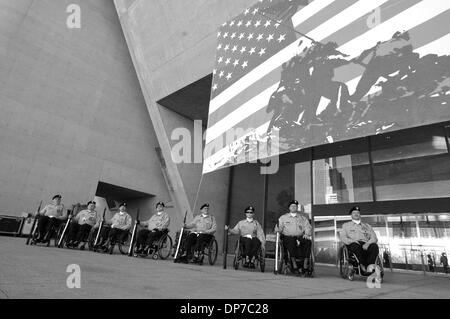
246 264
82 247
251 265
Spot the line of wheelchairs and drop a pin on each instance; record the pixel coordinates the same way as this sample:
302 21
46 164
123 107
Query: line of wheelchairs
164 247
161 248
58 233
349 265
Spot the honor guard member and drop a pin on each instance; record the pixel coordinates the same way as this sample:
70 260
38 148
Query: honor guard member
360 239
81 225
120 225
296 236
52 215
155 228
202 228
252 236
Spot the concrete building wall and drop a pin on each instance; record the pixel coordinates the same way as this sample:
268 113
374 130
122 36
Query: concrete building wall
72 111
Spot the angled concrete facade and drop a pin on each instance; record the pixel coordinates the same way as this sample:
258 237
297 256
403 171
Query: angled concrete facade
71 108
173 44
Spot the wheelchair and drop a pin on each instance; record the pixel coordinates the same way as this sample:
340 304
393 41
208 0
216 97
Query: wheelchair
349 265
108 247
159 249
210 250
239 256
65 240
51 234
284 261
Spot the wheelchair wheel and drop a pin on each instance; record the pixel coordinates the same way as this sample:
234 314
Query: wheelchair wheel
262 260
344 265
34 237
212 252
91 238
351 273
124 245
237 255
52 232
164 247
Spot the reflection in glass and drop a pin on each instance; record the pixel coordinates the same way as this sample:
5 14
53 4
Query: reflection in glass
407 241
411 166
342 179
280 192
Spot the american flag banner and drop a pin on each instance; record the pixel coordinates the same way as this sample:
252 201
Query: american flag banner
324 71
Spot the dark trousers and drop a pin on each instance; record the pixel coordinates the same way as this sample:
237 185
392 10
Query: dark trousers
197 242
46 224
250 246
365 257
147 237
298 247
78 232
113 234
102 235
117 234
299 250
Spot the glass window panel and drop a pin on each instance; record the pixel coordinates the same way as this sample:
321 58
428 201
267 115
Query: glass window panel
405 241
342 179
411 165
303 185
280 192
325 248
247 189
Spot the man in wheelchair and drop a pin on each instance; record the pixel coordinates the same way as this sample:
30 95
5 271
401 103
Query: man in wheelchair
155 228
202 229
81 225
51 217
252 236
120 225
360 240
296 237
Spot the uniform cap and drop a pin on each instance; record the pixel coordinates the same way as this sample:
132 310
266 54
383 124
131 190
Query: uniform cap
57 196
293 202
250 209
204 205
160 203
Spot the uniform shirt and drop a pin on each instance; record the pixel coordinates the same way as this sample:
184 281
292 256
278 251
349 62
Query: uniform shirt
294 226
86 216
206 225
160 221
245 228
52 210
352 232
121 221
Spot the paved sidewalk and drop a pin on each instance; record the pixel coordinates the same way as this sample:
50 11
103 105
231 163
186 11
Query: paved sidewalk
41 272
